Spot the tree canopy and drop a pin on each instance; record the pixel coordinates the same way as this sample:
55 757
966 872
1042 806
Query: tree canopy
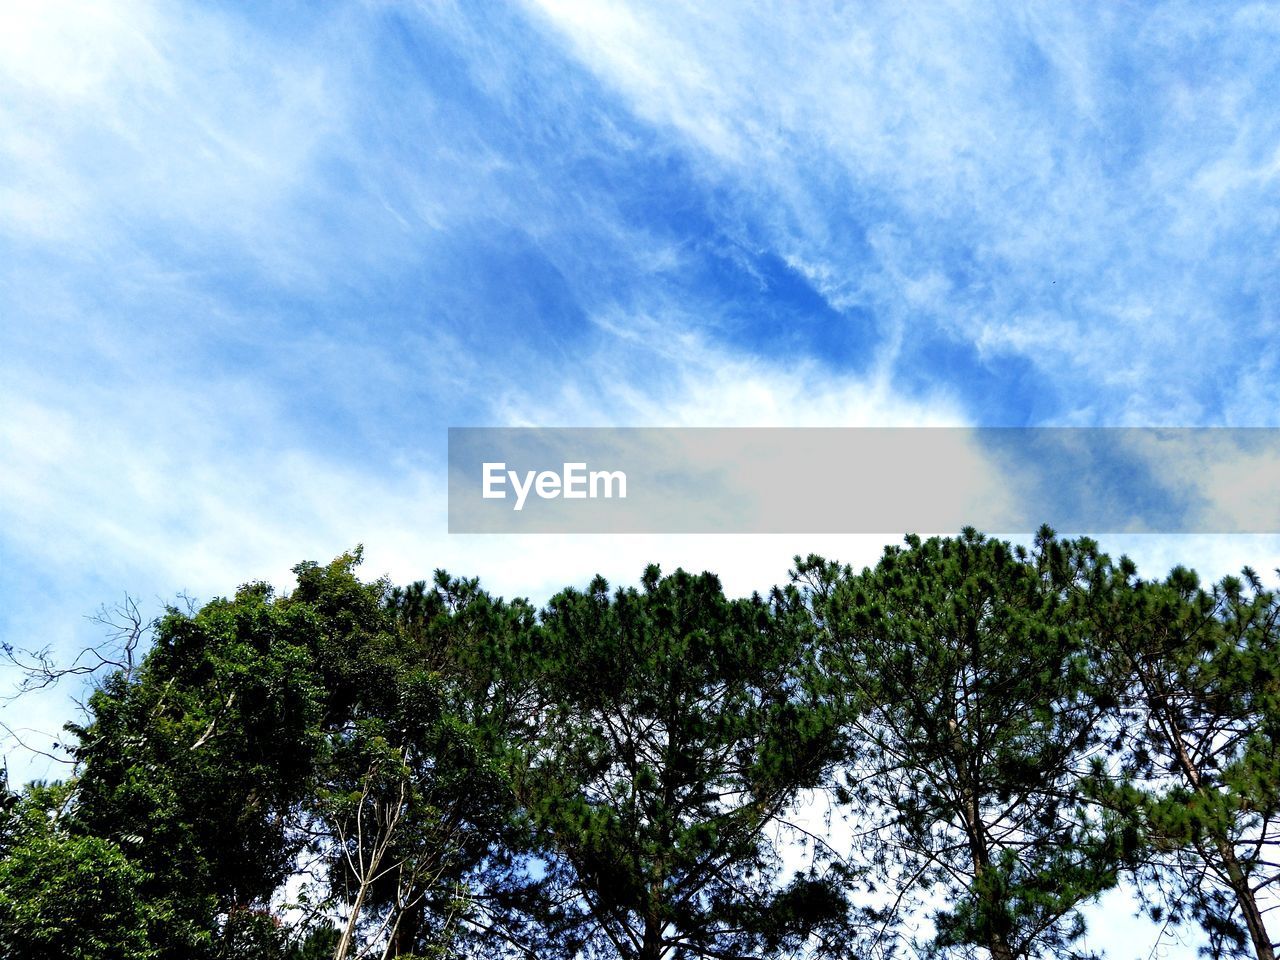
674 728
951 753
1196 675
974 718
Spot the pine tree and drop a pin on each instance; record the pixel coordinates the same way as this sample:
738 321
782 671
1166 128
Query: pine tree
674 730
1197 675
973 717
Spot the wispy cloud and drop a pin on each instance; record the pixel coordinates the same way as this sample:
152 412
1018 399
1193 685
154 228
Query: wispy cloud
1085 188
254 261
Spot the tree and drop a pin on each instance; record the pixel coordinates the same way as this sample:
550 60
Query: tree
671 731
196 763
410 811
417 822
260 736
64 895
1197 677
973 717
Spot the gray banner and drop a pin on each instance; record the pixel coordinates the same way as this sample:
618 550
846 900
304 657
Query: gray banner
863 480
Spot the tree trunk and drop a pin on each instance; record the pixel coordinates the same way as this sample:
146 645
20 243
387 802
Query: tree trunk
405 932
1236 878
997 942
999 947
344 942
651 948
1248 903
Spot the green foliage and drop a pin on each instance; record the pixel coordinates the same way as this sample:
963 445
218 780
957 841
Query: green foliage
973 709
65 896
1197 677
318 944
617 775
415 768
672 729
195 765
262 731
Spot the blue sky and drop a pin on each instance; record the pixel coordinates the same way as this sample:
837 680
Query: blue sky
254 262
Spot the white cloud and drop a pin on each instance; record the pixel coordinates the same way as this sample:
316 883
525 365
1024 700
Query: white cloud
129 123
1099 199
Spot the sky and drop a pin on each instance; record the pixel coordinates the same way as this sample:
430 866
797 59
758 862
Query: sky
256 259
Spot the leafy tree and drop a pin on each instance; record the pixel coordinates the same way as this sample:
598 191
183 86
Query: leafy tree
1197 676
671 730
227 760
974 717
64 895
317 944
195 765
408 810
455 775
420 827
